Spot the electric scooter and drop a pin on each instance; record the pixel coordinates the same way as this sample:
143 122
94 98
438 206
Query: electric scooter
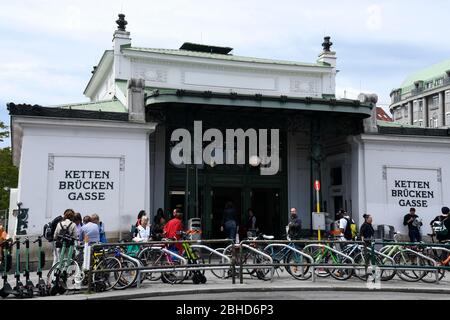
41 287
60 281
19 290
6 266
29 286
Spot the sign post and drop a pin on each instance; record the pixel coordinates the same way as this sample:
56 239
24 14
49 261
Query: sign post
317 188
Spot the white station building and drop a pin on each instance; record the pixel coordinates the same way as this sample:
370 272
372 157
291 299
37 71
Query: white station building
110 156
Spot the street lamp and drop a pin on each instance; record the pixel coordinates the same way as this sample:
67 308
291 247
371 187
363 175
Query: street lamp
255 161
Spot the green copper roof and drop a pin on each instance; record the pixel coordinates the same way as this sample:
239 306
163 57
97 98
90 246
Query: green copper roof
229 57
394 124
433 72
113 105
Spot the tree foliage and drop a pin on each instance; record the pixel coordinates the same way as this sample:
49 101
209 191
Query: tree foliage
8 176
4 132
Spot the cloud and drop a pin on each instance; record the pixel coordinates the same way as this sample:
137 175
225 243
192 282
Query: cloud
50 46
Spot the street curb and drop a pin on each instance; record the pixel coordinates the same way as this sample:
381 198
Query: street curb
239 288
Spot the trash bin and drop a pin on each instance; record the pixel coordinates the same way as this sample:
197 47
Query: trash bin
195 228
385 232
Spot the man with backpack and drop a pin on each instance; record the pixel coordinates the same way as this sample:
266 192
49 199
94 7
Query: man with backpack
347 226
64 228
441 225
49 231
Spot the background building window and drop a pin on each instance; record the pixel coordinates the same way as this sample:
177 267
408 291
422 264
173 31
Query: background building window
434 103
336 176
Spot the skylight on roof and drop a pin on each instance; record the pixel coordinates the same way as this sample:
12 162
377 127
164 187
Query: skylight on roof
189 46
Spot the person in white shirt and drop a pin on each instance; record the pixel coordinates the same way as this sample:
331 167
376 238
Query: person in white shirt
343 220
143 230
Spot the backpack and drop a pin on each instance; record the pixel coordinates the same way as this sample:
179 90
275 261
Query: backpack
440 229
65 233
50 227
350 231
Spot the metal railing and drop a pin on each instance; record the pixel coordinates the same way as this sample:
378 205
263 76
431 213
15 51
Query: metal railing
235 263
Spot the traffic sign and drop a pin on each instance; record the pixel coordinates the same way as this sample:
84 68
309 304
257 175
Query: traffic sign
317 185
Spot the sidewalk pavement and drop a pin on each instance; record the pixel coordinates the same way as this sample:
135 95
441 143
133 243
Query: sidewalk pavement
281 282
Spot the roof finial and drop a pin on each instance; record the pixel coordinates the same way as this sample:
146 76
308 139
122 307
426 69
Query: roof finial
121 22
327 44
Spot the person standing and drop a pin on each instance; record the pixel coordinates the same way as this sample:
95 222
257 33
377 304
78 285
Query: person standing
143 230
90 230
54 223
66 224
366 231
442 223
172 229
413 222
345 225
157 229
251 226
101 227
78 222
294 226
229 224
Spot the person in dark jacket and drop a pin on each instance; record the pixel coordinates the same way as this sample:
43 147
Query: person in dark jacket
295 225
229 224
157 229
413 222
366 231
251 226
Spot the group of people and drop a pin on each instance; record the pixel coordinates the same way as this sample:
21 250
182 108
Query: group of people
142 230
414 224
345 227
87 229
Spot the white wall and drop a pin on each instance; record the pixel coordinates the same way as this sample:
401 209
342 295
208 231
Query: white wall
50 149
226 76
387 158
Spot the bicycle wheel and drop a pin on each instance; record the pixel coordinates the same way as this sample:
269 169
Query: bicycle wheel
403 258
340 273
319 256
298 272
430 276
196 275
72 276
264 272
127 278
110 278
173 276
212 259
150 257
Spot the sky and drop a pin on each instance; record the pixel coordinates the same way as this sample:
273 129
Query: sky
48 48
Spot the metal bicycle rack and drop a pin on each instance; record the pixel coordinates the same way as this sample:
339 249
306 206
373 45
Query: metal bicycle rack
307 256
213 251
271 267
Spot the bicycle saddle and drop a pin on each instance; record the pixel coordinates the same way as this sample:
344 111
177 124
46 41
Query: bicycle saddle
268 237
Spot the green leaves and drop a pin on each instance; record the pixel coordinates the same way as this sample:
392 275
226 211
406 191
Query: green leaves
4 132
8 177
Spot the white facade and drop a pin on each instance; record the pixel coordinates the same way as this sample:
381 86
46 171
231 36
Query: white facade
104 161
181 69
416 166
59 158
